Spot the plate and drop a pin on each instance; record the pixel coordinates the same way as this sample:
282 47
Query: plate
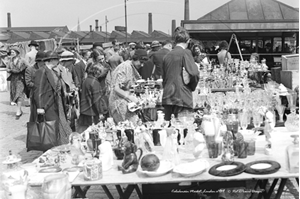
262 167
62 148
225 169
163 169
73 169
11 161
191 169
50 170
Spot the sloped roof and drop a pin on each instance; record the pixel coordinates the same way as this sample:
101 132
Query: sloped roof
158 33
101 34
35 29
39 35
119 34
80 34
23 35
59 34
253 10
137 33
4 37
247 16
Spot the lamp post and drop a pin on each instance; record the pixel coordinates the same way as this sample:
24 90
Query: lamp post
125 20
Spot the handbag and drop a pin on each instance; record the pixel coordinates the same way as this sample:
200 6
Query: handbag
41 136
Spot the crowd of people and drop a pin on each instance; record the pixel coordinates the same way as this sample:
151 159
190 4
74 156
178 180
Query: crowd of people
78 89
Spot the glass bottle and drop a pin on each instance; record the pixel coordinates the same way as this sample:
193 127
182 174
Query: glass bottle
292 155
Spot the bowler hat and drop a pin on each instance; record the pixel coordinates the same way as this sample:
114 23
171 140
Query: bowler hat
40 55
33 43
51 55
155 44
66 55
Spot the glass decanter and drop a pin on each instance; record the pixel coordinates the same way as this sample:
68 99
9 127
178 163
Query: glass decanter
292 155
292 121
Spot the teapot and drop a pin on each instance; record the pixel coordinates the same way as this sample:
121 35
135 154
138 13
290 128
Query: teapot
130 161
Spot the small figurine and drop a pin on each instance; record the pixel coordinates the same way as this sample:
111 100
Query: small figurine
130 161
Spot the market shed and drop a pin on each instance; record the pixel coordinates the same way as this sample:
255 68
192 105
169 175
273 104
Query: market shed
248 19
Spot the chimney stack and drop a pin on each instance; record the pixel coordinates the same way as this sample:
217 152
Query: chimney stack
149 23
96 27
8 20
100 28
91 28
186 10
173 26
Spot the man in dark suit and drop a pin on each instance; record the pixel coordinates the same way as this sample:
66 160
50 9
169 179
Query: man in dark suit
158 57
177 65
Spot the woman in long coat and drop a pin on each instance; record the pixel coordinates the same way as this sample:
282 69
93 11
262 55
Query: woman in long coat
29 80
91 99
16 68
50 96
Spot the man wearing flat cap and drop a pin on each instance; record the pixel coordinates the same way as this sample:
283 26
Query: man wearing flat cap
30 56
123 77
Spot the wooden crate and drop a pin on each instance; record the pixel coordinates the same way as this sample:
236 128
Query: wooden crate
290 78
290 62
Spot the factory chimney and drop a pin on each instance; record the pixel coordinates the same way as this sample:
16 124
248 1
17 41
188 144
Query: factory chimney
96 27
149 23
186 10
8 20
173 26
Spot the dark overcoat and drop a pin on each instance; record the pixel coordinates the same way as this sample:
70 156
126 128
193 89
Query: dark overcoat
91 96
157 58
175 91
45 94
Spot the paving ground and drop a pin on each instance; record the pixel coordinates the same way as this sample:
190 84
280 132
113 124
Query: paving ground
13 137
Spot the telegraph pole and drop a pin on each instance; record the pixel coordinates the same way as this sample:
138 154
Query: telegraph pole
125 20
106 21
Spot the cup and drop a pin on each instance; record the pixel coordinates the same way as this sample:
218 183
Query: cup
93 170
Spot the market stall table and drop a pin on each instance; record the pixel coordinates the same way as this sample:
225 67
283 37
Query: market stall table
280 140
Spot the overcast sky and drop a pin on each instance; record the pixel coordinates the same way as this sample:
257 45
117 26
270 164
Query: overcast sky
26 13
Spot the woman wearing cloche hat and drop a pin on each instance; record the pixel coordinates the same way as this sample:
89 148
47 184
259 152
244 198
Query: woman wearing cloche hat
29 80
16 69
122 78
49 95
